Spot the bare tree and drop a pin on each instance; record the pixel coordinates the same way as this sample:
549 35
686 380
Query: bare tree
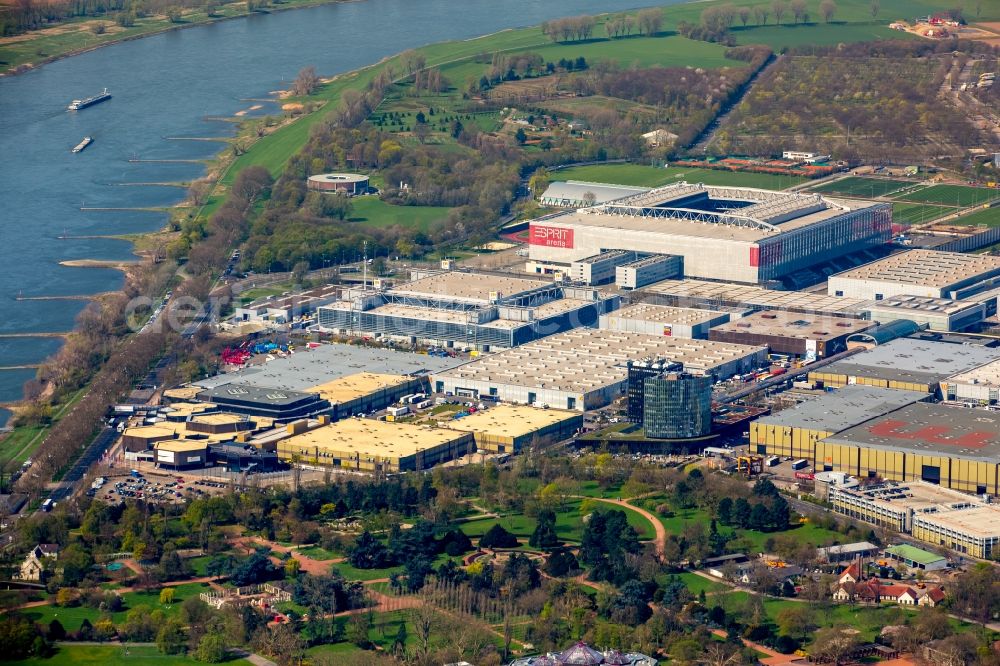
827 9
875 7
800 11
744 13
761 14
779 8
650 21
306 82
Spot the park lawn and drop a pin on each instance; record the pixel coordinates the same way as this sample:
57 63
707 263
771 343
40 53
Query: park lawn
382 633
642 175
373 212
989 217
698 584
68 654
352 573
317 553
594 489
569 523
859 186
953 195
72 617
916 213
805 532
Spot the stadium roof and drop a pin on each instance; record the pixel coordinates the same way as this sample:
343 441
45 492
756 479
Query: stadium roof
844 408
576 190
680 209
930 429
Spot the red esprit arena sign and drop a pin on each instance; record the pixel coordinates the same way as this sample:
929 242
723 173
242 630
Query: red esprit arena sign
550 236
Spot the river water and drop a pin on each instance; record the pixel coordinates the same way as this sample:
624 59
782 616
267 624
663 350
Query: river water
164 87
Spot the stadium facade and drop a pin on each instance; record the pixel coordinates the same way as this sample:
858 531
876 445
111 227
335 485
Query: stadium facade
737 234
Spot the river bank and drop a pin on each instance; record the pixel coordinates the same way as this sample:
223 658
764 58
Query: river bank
89 217
13 47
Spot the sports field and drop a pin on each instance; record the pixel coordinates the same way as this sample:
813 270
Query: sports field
953 195
916 213
856 186
989 217
642 175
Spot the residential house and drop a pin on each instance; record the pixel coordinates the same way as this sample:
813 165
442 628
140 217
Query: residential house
931 597
34 563
852 574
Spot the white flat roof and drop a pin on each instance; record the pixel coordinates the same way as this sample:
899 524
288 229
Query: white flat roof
662 314
927 268
471 286
586 359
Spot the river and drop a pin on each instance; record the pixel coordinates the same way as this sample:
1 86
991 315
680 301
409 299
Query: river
164 87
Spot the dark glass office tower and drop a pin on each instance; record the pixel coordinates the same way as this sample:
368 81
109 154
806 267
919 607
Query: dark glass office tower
677 406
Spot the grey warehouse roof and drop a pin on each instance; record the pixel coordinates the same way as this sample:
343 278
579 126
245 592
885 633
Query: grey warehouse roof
308 368
912 360
930 429
844 408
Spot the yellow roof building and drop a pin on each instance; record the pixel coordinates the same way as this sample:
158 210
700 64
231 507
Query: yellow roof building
376 446
509 428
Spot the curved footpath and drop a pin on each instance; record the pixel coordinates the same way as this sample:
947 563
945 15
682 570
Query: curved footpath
660 540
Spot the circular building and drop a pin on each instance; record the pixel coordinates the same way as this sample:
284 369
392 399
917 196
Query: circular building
351 183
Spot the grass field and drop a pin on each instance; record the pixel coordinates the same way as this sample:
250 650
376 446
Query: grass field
916 213
857 186
317 553
642 175
807 532
989 217
569 523
68 654
953 195
373 212
697 584
72 617
816 34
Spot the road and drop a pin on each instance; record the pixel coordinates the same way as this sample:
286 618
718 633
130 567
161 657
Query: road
790 375
701 143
